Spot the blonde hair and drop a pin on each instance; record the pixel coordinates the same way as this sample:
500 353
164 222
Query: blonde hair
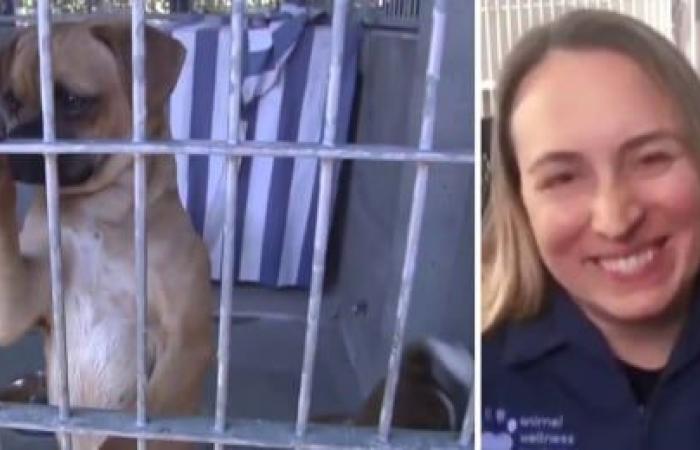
514 281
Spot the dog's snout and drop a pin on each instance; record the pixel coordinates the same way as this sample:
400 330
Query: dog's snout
72 169
29 130
27 168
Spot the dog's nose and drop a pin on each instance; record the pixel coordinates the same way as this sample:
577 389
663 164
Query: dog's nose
27 168
28 130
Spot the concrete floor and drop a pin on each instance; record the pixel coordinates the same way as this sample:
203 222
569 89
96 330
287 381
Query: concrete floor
266 359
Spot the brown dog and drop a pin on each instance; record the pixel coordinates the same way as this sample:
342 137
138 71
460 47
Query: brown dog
92 83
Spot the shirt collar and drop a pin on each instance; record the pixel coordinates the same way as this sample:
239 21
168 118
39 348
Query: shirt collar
533 338
562 324
687 349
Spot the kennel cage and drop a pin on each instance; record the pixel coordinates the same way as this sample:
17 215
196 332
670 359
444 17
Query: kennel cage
262 433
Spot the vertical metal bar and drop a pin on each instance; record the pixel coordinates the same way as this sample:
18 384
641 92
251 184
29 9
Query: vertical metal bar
490 66
232 164
53 213
665 18
519 9
340 12
530 14
509 25
541 4
468 424
552 10
646 12
437 42
138 51
693 35
499 44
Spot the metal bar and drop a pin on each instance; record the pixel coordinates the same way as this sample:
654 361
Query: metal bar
490 68
693 35
244 433
435 55
273 149
499 45
519 10
467 433
138 59
530 13
552 9
74 17
340 13
509 25
541 11
646 12
229 231
668 18
43 13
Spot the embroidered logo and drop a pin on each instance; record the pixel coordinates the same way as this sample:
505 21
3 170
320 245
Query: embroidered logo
524 431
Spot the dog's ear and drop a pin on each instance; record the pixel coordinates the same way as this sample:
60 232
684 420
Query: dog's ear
164 58
7 52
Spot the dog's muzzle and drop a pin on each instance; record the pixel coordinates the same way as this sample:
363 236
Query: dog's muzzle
29 167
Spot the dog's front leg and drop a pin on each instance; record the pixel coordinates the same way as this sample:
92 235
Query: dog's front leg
21 280
177 381
174 388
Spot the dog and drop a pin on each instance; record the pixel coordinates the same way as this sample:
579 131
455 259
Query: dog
433 389
92 95
435 380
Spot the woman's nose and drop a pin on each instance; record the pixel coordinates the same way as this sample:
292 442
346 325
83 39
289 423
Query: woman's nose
616 212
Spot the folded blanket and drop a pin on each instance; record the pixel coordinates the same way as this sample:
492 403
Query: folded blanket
285 84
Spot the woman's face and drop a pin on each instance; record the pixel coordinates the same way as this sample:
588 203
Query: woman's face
609 184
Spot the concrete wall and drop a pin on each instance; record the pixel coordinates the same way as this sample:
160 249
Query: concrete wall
374 234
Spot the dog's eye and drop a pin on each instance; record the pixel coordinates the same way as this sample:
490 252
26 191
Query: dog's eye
73 104
11 102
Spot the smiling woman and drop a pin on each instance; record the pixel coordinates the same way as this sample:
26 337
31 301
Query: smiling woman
591 245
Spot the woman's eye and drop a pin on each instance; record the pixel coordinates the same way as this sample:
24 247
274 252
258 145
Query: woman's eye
654 162
655 158
557 180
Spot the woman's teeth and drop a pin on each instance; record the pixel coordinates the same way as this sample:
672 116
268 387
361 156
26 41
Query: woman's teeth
629 264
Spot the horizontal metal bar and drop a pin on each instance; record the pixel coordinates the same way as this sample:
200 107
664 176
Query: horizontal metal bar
251 433
278 150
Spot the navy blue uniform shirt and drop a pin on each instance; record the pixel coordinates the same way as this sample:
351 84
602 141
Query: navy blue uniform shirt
553 383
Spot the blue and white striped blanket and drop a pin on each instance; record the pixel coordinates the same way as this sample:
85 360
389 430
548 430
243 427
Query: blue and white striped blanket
285 84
